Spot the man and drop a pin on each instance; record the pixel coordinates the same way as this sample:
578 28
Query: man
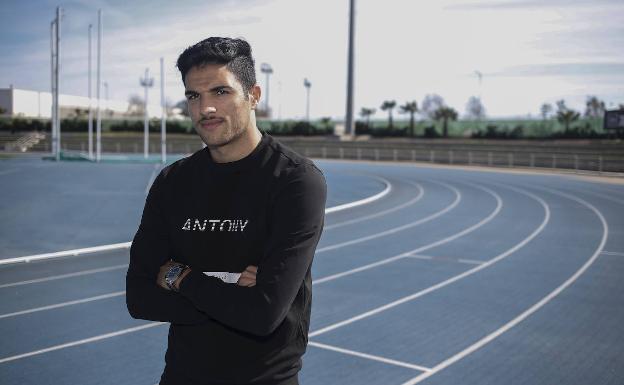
226 240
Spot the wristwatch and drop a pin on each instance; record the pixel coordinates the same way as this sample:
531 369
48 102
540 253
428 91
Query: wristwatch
172 275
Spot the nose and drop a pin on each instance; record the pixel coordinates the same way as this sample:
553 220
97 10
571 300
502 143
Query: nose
206 107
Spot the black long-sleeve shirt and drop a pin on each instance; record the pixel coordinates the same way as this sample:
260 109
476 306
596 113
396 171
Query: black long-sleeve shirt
267 210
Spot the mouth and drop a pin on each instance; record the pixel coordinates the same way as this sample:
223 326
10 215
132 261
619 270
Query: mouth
211 123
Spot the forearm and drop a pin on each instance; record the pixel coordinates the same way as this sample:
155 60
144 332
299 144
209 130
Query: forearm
146 300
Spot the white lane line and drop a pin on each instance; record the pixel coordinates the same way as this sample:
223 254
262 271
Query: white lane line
66 253
448 281
612 253
49 307
364 201
446 259
484 341
75 274
153 324
369 356
10 171
493 214
126 245
81 342
412 201
152 178
396 229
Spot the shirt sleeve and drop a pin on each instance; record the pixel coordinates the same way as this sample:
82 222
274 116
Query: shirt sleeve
296 223
149 251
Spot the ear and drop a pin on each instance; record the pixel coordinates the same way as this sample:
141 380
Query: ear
254 96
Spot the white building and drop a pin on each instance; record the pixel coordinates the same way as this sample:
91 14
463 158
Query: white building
34 104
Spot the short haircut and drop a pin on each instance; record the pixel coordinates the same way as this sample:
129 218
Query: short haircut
235 53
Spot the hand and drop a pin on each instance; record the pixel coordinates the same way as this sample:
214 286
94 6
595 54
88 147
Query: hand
248 277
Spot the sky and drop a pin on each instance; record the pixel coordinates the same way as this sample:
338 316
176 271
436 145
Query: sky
529 52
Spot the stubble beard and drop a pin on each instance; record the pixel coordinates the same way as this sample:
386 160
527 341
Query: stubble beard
226 135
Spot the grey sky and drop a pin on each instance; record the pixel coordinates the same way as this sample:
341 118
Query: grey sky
529 52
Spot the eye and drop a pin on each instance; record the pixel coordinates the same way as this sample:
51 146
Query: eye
192 96
221 91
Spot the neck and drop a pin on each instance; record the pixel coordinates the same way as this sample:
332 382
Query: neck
239 148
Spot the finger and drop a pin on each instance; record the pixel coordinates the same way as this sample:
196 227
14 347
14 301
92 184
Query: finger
252 268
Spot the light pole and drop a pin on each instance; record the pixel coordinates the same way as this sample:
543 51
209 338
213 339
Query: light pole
146 82
479 77
307 85
90 103
266 69
163 114
98 126
105 84
349 118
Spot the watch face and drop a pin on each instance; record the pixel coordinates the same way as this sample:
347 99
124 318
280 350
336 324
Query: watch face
173 273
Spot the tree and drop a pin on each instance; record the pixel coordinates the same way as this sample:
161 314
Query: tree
366 113
546 110
594 108
431 103
411 108
389 105
136 105
445 114
565 115
474 108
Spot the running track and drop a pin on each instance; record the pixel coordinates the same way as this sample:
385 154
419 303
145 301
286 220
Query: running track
453 276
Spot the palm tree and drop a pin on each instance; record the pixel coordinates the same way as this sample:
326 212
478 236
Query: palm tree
445 114
565 115
545 110
411 108
366 113
389 105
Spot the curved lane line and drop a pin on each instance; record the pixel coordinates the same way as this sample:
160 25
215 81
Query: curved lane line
484 341
446 282
492 215
421 193
126 245
154 324
364 201
399 228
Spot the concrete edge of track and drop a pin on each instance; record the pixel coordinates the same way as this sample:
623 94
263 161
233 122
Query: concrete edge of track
126 245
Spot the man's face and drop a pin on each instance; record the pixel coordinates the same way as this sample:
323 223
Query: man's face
219 107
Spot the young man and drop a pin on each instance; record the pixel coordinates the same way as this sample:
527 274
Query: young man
226 240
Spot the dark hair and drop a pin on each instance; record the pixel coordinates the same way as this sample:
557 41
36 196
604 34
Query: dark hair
235 53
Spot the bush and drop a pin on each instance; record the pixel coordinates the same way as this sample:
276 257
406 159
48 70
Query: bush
430 132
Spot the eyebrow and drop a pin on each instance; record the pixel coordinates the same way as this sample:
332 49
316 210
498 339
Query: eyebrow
189 92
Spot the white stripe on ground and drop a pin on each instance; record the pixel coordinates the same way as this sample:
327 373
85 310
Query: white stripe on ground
395 229
75 274
97 338
364 201
497 333
493 214
612 253
369 356
66 253
420 194
10 171
49 307
446 259
448 281
81 342
126 245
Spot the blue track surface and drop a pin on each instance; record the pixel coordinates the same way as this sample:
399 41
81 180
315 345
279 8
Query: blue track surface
454 277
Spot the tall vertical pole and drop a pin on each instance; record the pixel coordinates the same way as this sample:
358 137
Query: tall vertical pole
307 84
163 116
53 86
349 129
58 83
98 141
90 99
146 82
